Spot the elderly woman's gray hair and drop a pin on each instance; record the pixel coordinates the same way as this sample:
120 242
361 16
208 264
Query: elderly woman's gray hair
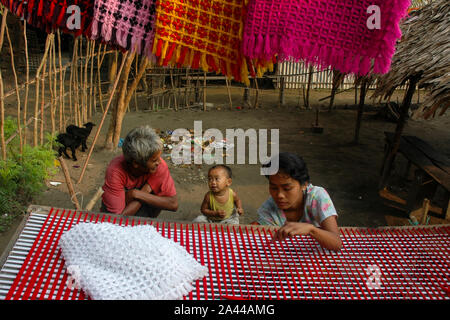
140 144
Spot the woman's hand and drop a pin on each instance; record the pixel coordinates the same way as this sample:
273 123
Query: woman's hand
293 229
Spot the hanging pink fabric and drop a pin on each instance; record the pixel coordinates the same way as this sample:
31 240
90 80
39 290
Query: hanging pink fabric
342 34
125 24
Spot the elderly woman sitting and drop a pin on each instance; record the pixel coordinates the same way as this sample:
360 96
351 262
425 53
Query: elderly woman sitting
139 182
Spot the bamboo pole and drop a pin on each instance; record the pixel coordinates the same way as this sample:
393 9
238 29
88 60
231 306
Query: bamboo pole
76 86
42 106
173 90
227 82
2 27
13 66
94 199
2 119
84 105
255 106
99 63
25 105
2 105
362 97
308 88
425 209
85 82
135 95
61 86
65 170
36 104
204 91
116 81
92 108
188 87
51 83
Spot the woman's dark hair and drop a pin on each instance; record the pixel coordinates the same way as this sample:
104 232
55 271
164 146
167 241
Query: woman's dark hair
293 165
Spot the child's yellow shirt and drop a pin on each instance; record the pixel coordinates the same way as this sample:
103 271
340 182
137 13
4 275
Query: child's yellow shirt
228 206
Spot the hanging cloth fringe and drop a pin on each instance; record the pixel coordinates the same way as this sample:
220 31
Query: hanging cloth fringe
55 14
125 24
203 34
343 34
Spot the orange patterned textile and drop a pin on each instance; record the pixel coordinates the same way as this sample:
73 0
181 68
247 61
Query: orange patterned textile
204 34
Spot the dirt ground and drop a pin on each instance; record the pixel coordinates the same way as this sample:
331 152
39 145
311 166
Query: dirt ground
349 172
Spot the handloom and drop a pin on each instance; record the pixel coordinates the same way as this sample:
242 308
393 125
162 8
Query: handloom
50 15
374 264
204 34
337 33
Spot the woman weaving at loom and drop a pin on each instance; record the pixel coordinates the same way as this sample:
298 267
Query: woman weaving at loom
139 182
298 207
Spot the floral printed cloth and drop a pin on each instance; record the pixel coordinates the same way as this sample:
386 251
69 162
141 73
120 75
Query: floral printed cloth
318 207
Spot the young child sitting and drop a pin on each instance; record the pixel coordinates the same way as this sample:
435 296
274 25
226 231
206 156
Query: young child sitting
221 204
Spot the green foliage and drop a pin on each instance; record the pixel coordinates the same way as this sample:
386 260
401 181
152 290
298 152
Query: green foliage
23 175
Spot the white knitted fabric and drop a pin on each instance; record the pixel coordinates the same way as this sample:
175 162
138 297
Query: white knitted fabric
121 263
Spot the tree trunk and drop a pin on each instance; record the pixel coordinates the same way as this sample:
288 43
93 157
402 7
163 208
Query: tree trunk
362 98
127 99
120 107
310 75
398 132
337 80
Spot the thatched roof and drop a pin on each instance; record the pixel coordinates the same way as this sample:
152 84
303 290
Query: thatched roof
423 50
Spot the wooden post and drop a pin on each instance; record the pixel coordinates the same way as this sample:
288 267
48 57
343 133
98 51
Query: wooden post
119 110
61 86
43 102
125 95
25 105
73 196
197 88
2 27
398 132
229 92
103 118
425 209
362 97
337 78
204 91
255 106
13 66
281 99
246 95
129 95
188 87
94 199
308 88
92 108
2 119
447 213
172 86
51 82
36 102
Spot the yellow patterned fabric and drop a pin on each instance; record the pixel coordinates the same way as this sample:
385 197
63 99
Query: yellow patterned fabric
204 34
